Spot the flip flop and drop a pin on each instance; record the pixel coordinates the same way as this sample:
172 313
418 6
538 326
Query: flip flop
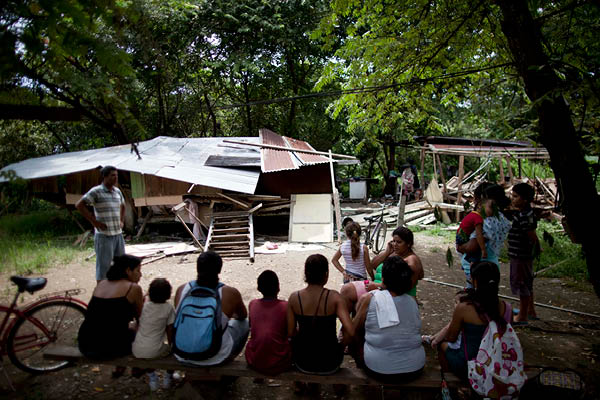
520 323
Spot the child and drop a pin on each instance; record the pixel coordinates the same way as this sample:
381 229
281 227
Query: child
156 321
523 246
268 350
473 222
356 256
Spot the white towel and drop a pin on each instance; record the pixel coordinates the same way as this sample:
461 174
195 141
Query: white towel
387 315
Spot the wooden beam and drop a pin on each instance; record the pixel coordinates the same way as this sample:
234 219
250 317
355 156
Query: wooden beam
336 200
250 211
441 173
270 146
401 209
190 232
510 171
234 201
461 173
422 182
146 220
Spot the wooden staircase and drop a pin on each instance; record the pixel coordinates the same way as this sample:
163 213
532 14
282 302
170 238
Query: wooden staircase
231 234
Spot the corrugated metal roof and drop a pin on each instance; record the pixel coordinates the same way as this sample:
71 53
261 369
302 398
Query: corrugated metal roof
306 158
181 159
281 160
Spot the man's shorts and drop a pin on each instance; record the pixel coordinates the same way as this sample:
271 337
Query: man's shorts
521 277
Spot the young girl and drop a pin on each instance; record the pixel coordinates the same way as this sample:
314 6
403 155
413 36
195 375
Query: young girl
473 222
156 322
356 256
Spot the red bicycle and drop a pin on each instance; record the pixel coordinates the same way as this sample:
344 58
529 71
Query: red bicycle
53 318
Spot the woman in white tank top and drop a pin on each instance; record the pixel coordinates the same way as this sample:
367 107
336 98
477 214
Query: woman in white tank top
356 256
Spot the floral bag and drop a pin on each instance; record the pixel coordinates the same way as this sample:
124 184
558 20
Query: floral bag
498 370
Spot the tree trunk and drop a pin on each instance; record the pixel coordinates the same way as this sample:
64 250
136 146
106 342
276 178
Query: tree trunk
581 203
390 163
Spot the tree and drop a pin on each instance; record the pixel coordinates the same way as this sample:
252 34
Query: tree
424 52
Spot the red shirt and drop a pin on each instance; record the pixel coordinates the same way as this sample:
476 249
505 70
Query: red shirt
268 349
468 224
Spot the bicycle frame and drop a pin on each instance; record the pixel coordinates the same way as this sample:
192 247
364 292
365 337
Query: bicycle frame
13 314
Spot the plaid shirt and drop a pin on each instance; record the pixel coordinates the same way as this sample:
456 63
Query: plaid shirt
107 207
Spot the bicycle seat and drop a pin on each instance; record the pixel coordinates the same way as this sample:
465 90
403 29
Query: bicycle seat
371 219
29 284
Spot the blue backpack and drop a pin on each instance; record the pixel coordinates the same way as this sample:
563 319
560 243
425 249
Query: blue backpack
198 330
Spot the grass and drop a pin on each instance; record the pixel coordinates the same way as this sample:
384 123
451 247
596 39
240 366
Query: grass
437 230
32 243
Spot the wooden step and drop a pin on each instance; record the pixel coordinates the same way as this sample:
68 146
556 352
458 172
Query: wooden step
221 244
238 229
229 223
232 236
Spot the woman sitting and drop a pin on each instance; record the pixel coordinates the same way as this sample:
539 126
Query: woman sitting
389 323
115 302
470 319
401 245
311 316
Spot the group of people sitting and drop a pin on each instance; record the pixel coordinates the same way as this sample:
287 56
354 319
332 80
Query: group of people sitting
380 318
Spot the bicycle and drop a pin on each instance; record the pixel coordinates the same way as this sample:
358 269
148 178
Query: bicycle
376 231
53 318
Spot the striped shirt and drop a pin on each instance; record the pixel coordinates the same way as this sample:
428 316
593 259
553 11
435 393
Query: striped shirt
519 245
107 207
356 267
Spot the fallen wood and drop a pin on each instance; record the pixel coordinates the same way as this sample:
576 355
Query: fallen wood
250 211
234 201
516 299
153 259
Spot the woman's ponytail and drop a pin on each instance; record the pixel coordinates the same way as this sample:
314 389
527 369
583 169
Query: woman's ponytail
353 233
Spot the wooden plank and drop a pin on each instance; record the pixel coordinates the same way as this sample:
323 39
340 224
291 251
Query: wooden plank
442 175
401 209
238 229
422 181
345 375
158 201
245 206
336 200
418 215
232 243
250 211
461 172
231 223
146 220
190 232
251 224
221 237
210 233
229 214
510 171
233 251
271 209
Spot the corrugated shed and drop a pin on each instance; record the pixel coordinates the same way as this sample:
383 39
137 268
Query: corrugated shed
283 160
181 159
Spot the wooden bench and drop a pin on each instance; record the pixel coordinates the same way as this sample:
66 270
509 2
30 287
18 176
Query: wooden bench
430 378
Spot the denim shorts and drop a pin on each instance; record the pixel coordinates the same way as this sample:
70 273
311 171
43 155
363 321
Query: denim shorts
106 248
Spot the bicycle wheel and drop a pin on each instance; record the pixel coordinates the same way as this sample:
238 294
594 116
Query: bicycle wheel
380 237
53 322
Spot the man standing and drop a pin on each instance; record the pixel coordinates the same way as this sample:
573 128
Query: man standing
108 218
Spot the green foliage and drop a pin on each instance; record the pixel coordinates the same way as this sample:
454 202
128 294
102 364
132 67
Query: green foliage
563 251
33 242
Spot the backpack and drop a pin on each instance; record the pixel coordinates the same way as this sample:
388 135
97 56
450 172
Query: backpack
498 370
198 331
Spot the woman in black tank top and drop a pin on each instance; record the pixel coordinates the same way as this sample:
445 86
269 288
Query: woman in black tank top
105 332
312 314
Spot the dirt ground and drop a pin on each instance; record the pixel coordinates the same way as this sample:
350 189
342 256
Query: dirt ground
559 339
